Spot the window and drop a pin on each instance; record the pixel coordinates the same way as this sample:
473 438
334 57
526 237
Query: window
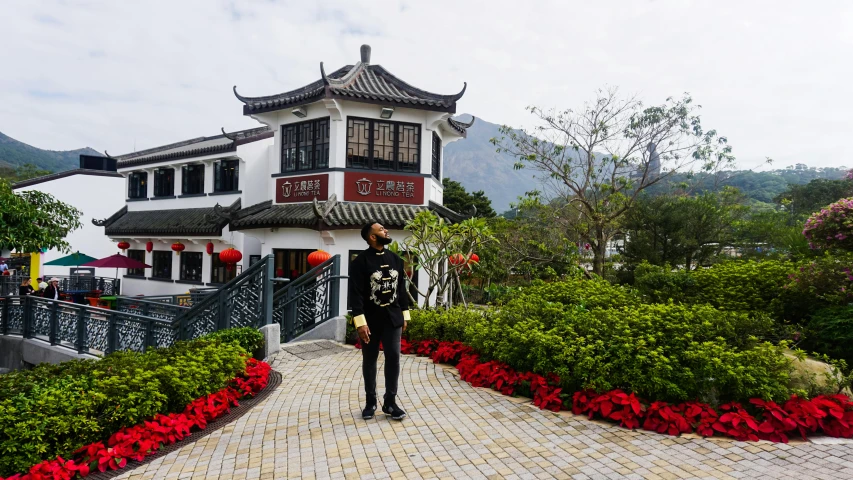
138 255
192 179
137 185
436 156
218 271
164 182
191 266
226 176
382 145
291 263
162 263
305 145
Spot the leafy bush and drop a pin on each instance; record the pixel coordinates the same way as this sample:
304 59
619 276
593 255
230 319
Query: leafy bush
54 409
831 227
447 325
664 352
249 338
830 331
741 286
660 284
588 294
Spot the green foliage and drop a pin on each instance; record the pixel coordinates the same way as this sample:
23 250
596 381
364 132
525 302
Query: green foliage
457 199
817 194
830 331
32 220
660 284
582 293
249 338
15 153
741 286
831 227
54 409
446 325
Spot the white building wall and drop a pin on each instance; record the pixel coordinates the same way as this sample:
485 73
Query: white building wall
97 197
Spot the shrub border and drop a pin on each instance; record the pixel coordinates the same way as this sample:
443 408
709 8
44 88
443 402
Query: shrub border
168 432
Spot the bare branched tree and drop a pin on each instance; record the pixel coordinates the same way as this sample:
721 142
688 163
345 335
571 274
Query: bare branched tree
598 159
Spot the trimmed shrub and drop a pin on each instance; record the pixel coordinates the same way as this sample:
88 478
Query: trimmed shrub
830 331
447 325
741 286
588 294
249 338
54 409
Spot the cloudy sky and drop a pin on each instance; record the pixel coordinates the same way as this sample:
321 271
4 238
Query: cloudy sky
776 77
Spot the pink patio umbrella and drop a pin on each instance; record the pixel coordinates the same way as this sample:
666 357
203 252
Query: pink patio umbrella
116 261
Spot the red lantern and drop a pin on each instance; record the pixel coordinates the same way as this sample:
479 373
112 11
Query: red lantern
123 245
229 257
209 248
474 259
178 247
317 257
457 259
149 246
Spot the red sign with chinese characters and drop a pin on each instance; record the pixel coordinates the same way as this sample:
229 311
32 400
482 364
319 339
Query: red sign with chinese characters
381 188
301 189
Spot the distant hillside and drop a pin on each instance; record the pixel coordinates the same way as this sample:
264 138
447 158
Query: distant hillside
14 154
474 163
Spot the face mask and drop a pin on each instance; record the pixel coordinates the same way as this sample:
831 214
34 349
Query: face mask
383 240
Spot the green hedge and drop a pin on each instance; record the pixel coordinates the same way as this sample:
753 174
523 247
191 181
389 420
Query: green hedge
54 409
249 338
588 294
661 351
830 331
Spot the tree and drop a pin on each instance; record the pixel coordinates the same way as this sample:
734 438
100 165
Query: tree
805 199
459 200
682 230
433 241
599 159
22 172
32 220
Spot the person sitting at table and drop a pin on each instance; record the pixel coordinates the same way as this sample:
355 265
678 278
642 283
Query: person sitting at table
52 290
25 288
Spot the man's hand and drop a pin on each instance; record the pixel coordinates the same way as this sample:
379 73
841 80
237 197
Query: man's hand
364 333
405 324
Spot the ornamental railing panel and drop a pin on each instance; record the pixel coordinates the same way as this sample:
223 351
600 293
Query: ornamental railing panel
9 284
145 306
309 300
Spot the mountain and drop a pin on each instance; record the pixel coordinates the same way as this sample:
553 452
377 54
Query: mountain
14 154
475 164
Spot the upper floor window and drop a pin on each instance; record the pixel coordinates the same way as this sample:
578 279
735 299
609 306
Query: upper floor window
164 182
382 145
161 262
436 156
226 175
192 179
137 185
191 266
136 255
305 145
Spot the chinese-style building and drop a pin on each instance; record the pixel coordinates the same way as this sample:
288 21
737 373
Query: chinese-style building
357 145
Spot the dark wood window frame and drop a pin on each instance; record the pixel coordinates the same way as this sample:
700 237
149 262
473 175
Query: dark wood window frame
136 255
192 179
220 178
305 145
436 156
377 145
219 274
137 185
158 258
197 260
164 182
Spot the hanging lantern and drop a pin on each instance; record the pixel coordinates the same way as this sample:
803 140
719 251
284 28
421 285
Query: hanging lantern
279 272
209 248
457 259
123 245
178 247
586 247
317 257
474 259
149 246
229 257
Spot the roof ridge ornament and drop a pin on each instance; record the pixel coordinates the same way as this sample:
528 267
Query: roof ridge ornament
322 211
365 54
228 136
240 97
323 74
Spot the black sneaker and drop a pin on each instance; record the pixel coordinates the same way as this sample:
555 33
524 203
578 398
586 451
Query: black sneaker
389 407
369 409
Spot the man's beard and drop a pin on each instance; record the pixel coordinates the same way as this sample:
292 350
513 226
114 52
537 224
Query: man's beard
383 240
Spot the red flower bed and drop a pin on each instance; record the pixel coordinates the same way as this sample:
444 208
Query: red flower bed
140 441
828 414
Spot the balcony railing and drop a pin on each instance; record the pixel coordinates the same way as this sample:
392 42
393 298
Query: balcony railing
10 284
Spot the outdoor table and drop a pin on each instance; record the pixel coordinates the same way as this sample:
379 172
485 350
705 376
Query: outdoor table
110 299
78 295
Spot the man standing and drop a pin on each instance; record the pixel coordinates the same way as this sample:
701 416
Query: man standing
380 310
52 290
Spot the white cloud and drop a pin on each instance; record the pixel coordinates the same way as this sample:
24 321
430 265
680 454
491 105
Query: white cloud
772 76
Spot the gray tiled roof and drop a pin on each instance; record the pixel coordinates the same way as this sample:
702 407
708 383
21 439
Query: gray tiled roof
461 127
360 82
66 173
184 221
194 147
344 214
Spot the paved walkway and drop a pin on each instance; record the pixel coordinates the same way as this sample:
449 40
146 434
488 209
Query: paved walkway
311 428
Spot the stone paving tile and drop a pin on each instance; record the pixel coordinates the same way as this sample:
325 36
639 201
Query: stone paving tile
311 427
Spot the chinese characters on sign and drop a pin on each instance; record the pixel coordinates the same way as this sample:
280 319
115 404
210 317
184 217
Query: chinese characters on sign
301 189
372 187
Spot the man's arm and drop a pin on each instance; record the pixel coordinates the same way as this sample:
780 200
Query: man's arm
355 292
